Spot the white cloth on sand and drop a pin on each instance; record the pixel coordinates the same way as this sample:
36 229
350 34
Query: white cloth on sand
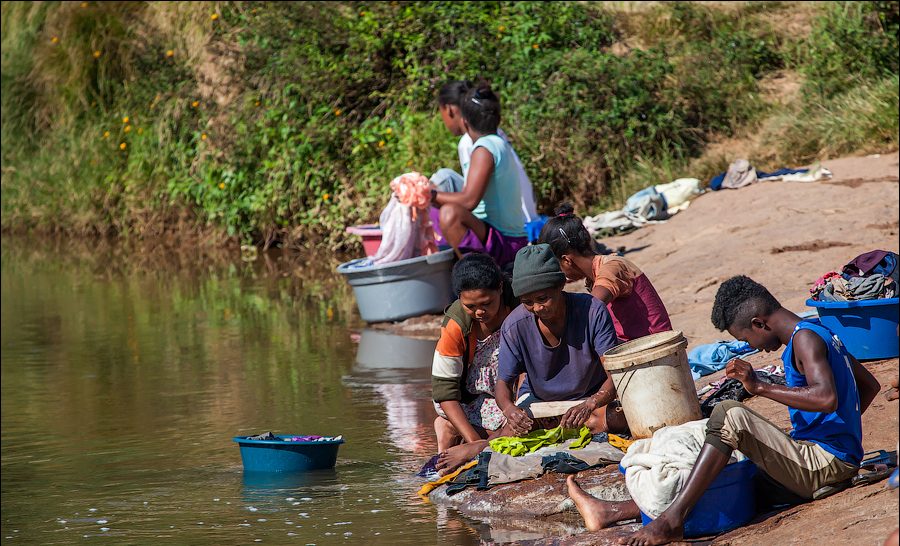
657 468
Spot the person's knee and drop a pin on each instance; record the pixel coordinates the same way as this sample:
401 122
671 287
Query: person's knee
444 426
450 215
721 412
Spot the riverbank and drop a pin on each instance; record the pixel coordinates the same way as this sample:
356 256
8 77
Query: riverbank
278 125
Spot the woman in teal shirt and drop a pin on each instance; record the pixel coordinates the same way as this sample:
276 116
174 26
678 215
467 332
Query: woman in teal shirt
486 216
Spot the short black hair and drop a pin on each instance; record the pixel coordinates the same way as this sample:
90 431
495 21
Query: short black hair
476 271
481 109
738 300
566 234
453 93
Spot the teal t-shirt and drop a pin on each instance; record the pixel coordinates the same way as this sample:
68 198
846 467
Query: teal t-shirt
501 205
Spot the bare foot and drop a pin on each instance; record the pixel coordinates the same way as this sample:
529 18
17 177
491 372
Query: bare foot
456 456
659 531
599 514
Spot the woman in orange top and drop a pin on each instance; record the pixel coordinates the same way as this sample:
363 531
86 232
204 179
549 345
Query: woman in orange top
633 302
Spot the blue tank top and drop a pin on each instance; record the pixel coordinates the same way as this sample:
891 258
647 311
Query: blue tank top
838 432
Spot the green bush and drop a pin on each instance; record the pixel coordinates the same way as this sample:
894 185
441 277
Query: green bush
282 123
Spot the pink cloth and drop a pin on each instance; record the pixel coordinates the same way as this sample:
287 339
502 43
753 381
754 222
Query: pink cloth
405 223
822 281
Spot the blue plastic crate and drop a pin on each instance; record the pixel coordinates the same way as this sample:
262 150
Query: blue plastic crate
868 328
729 502
281 456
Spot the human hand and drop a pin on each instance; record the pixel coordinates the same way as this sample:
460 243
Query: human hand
576 416
743 372
518 420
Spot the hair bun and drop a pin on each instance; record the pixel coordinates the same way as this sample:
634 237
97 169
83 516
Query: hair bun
564 209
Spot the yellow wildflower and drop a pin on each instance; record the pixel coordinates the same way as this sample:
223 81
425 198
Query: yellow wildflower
214 16
54 40
338 112
501 28
381 144
389 130
97 54
257 103
127 129
326 196
196 103
409 163
170 52
329 313
122 146
203 136
105 134
125 119
140 130
534 46
221 185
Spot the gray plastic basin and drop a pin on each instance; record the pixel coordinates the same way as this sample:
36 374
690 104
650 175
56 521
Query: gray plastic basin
400 290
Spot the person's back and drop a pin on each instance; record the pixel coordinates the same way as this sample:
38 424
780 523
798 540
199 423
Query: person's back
526 191
500 206
839 432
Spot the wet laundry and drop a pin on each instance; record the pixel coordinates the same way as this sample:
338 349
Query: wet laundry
520 445
871 275
740 174
497 468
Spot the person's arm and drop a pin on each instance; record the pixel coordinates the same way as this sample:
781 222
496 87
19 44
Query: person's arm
602 293
866 385
811 353
509 366
603 338
457 417
480 170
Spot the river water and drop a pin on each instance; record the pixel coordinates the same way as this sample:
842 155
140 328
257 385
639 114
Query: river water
126 374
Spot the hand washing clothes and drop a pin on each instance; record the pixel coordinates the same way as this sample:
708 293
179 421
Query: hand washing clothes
657 468
636 308
569 371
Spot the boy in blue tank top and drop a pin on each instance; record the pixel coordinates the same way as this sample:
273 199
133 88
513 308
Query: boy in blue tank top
827 391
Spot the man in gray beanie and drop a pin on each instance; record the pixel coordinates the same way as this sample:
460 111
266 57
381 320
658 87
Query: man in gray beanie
556 339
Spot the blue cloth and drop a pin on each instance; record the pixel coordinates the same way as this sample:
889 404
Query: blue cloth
838 432
572 369
533 228
716 183
712 357
501 205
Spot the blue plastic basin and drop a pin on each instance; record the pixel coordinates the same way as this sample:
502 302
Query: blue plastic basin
729 502
281 456
868 328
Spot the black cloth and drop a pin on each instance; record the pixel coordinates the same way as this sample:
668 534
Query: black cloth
732 389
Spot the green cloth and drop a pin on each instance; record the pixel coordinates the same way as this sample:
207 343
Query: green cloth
521 445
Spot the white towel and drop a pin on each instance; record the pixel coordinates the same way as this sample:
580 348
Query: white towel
657 468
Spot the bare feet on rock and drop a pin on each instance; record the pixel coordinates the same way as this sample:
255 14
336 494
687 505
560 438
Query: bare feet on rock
659 531
599 514
456 456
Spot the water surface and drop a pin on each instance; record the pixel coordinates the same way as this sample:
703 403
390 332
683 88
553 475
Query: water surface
125 375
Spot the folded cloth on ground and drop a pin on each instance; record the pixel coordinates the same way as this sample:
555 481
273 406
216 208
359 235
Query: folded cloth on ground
648 204
657 468
534 440
712 357
740 173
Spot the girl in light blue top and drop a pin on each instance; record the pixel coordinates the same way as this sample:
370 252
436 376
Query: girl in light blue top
486 216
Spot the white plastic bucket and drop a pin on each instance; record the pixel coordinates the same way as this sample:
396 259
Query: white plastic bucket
653 382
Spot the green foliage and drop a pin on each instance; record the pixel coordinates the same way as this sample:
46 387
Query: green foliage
852 42
283 122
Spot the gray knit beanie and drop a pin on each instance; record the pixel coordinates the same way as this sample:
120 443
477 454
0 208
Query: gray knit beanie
536 268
